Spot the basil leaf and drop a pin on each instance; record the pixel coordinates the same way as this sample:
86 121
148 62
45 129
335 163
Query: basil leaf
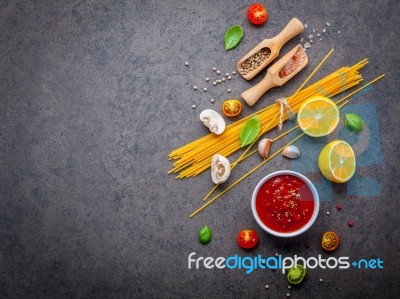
205 235
353 123
233 37
250 131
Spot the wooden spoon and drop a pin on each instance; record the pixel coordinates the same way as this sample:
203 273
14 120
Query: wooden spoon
273 46
278 74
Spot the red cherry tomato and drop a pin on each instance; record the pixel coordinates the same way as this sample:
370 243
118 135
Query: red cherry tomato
247 238
257 14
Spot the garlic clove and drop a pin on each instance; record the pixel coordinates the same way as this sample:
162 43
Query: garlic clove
291 152
213 121
263 147
220 169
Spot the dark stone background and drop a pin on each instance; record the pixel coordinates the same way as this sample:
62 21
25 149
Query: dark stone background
95 94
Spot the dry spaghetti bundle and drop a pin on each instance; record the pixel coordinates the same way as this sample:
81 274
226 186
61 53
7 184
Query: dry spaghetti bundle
195 157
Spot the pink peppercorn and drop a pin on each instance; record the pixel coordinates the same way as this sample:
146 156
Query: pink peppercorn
350 224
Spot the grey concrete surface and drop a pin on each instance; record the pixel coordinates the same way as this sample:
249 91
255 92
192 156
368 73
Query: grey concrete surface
95 94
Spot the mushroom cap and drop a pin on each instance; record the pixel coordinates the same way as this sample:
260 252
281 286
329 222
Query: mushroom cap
220 169
213 120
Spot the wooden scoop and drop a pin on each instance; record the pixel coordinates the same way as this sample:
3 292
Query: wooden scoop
278 74
272 47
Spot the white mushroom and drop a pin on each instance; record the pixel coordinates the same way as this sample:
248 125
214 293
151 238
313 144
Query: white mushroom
213 121
291 152
220 169
263 147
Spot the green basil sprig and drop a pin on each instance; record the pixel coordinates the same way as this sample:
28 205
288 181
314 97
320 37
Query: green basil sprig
353 122
233 37
205 235
250 131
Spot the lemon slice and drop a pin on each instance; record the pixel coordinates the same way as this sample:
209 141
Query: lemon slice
318 116
337 161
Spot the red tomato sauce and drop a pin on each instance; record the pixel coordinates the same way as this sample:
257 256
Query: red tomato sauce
285 203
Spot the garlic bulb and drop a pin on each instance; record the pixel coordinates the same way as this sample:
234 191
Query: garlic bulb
220 169
263 147
291 152
213 121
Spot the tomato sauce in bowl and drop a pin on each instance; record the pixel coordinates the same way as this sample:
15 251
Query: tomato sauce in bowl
285 203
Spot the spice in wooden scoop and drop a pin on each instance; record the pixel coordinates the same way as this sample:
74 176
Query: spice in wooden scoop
293 64
254 61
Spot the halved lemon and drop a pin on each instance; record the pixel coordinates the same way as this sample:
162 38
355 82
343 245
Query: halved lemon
318 116
337 161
